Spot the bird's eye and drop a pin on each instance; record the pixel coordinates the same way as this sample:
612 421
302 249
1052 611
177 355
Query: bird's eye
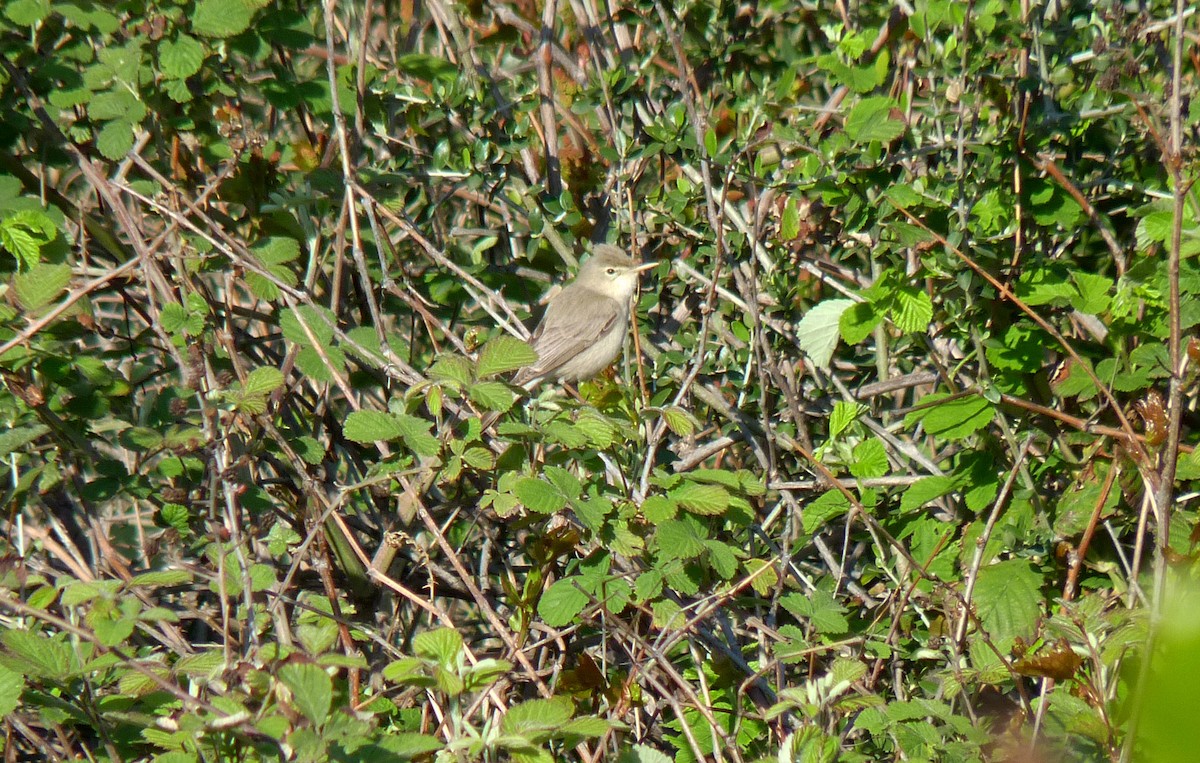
611 271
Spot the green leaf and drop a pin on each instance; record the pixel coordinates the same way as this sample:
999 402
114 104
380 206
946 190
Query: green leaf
870 459
1044 286
452 368
14 439
843 415
311 687
273 254
537 715
428 68
764 576
871 119
658 508
1008 600
11 686
27 12
41 285
1093 297
501 354
37 655
819 608
913 310
539 496
789 223
828 506
182 57
120 104
318 320
222 18
405 746
858 322
818 330
262 380
705 500
599 431
723 558
679 421
954 419
561 602
441 645
162 578
680 539
642 754
24 233
925 491
111 630
371 426
491 396
115 139
562 479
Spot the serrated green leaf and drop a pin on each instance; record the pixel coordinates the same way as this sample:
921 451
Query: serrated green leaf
870 459
871 120
954 418
818 330
924 491
115 139
858 322
441 645
568 484
723 558
561 602
120 104
819 608
599 431
222 18
705 500
262 380
643 754
764 577
501 354
658 508
318 320
24 233
491 396
843 415
311 688
14 439
537 715
679 539
408 745
111 630
371 426
182 57
1008 600
679 421
539 496
37 655
27 12
41 285
452 368
162 578
912 310
829 505
177 90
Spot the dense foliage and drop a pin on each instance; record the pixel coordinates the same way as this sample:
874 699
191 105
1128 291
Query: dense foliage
889 472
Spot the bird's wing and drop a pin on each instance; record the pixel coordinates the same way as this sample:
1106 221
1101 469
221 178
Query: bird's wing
561 336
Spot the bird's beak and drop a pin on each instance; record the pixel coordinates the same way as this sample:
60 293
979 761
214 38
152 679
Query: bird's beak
644 267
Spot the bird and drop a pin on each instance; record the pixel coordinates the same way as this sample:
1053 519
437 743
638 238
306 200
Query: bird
585 325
